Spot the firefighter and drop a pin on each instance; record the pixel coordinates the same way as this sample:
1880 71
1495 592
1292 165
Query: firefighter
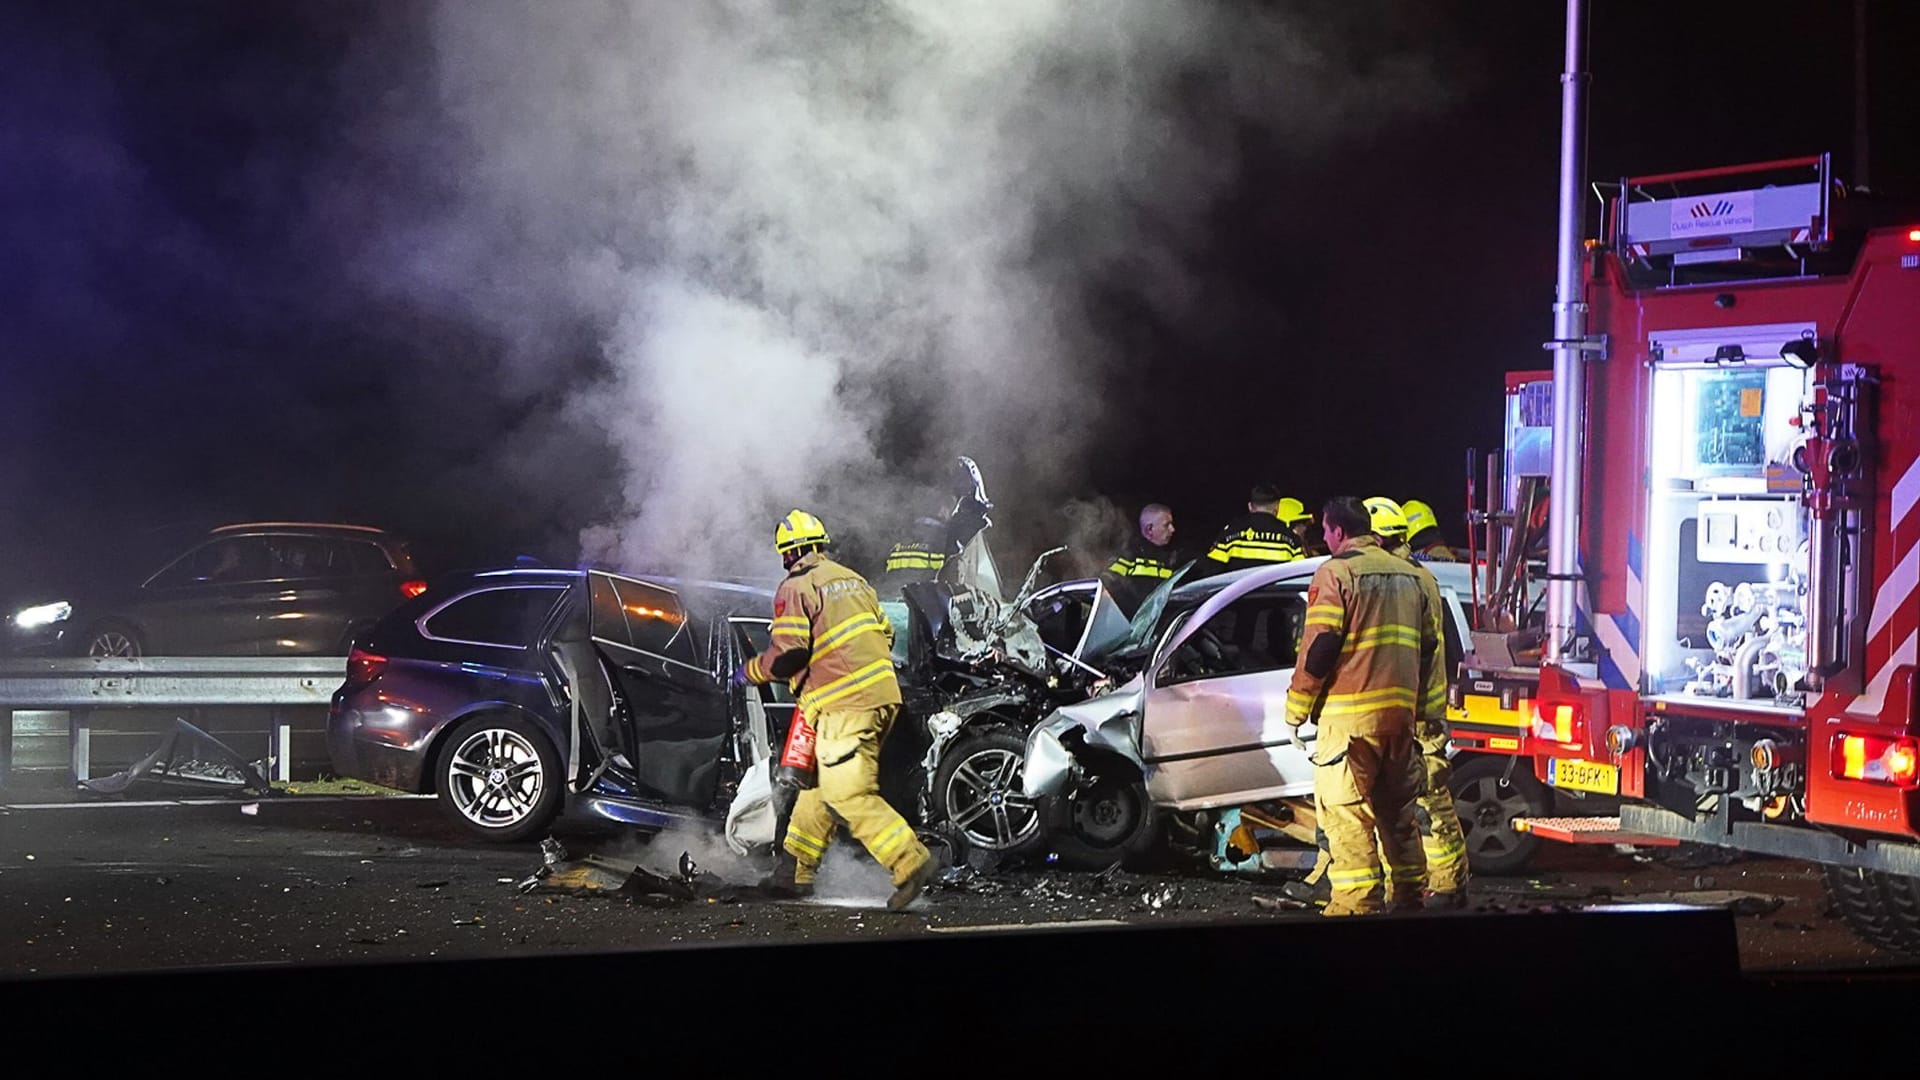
1147 560
1293 514
1423 533
1257 537
1365 654
1441 836
833 644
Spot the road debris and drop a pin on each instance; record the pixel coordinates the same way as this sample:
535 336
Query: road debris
188 757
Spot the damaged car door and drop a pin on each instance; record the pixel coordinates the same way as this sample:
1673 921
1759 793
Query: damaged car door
1214 731
674 720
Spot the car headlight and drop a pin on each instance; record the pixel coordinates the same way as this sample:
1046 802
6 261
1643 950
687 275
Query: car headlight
42 615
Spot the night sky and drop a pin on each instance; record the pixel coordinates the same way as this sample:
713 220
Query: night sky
185 344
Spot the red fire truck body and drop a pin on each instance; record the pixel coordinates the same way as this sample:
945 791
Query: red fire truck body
1749 539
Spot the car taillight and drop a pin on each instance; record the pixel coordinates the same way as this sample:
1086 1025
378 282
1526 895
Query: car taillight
363 667
1871 757
411 589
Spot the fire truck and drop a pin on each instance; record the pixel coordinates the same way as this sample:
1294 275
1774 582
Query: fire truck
1739 668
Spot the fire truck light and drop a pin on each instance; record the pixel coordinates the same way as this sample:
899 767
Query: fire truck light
1868 757
1914 235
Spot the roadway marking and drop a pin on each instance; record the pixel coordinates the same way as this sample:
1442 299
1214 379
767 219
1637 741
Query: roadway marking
208 802
996 927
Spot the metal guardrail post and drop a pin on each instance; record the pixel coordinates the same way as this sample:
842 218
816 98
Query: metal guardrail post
280 746
80 742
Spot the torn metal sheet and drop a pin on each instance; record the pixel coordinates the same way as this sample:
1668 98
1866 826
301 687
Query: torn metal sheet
187 757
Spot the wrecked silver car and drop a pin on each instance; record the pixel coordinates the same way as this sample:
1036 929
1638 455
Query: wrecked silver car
1200 728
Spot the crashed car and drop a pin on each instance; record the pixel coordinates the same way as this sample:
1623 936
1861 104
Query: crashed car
516 694
1201 727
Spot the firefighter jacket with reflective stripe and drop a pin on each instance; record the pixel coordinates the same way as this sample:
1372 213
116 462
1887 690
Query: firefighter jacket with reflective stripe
831 641
1368 646
1253 539
1144 560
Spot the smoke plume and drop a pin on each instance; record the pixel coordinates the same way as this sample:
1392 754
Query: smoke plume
824 246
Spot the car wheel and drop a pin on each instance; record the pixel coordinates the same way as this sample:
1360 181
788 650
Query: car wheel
1487 800
499 778
110 639
1112 819
976 793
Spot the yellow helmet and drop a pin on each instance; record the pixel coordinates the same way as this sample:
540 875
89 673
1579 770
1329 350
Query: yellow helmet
1291 511
1387 517
797 530
1420 517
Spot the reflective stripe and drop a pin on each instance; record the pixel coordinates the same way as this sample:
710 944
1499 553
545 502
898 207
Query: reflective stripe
891 840
855 680
915 560
801 844
754 674
1139 568
843 633
1442 852
1402 875
1353 879
1388 634
1367 701
1327 615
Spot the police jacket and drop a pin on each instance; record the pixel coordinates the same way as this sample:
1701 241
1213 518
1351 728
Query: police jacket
831 641
1370 644
1255 538
1143 560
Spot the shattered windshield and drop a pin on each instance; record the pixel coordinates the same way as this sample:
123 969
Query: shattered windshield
1140 636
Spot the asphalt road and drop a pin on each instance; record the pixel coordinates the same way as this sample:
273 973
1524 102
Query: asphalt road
119 887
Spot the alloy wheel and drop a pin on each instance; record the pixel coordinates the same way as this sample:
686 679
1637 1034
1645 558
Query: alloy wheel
495 778
989 809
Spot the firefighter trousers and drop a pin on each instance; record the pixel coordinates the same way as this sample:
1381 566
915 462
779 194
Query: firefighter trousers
1366 780
1441 837
847 752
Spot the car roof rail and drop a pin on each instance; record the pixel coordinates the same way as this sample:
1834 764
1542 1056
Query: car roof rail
297 525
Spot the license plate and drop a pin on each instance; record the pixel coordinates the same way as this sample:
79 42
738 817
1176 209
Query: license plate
1601 779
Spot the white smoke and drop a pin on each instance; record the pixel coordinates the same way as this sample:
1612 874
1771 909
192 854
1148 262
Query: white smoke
819 236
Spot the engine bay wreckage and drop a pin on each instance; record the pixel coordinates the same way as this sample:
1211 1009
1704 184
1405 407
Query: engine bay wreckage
982 667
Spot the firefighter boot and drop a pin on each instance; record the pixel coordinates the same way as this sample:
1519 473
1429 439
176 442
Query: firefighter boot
791 879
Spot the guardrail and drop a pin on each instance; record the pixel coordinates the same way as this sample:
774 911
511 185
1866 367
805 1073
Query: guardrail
80 687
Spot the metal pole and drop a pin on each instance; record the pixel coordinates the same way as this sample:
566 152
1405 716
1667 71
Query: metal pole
1569 335
1861 158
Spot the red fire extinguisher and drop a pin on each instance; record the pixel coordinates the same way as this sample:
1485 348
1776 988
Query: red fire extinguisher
796 767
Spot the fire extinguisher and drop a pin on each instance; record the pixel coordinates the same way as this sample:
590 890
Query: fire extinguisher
796 767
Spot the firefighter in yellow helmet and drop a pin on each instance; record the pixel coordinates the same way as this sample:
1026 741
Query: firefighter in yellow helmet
833 644
1440 834
1364 657
1423 533
1306 532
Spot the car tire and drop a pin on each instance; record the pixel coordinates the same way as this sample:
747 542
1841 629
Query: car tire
113 638
1487 800
1110 819
977 799
1881 909
499 778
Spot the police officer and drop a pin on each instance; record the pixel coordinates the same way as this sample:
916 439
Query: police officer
918 557
833 644
1364 659
1441 836
1147 560
1255 538
1423 533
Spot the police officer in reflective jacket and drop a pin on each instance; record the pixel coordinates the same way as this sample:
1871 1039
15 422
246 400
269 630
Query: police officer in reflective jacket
1147 560
1255 538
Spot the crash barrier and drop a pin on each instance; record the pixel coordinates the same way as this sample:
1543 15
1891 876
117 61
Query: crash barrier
1197 999
81 687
